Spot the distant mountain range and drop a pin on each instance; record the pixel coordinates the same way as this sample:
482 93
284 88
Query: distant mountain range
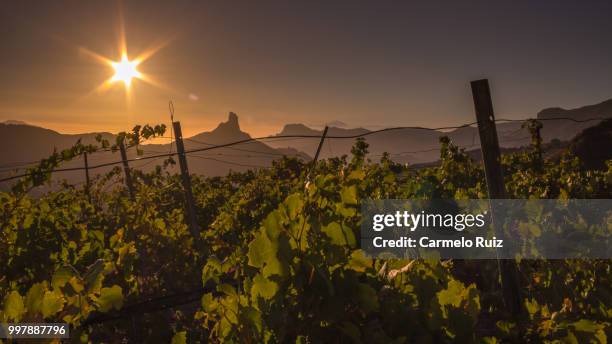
236 158
21 143
419 145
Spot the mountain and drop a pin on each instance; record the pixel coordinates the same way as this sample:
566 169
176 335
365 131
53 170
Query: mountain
225 132
603 109
564 129
421 146
15 122
407 145
337 124
240 157
581 145
21 144
599 136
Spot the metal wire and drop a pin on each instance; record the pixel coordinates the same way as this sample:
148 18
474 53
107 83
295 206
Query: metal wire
303 136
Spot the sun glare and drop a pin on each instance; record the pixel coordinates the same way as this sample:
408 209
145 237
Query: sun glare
125 70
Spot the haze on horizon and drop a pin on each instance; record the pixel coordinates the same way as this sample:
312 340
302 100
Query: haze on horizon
374 64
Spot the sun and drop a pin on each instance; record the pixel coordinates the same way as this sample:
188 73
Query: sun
125 70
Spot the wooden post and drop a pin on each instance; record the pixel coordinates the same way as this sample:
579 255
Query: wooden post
87 182
126 170
186 179
495 183
316 157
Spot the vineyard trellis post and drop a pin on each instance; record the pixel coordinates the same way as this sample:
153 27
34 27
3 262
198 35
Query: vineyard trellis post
316 157
186 180
87 182
126 170
495 184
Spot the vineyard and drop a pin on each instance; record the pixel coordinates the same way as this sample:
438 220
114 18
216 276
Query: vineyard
277 258
273 254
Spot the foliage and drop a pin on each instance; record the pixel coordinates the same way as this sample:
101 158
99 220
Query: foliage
278 259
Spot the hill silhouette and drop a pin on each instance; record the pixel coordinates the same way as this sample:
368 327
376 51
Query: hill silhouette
563 129
240 157
420 146
21 143
594 145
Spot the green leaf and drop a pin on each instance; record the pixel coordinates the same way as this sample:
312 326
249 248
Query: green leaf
159 224
94 277
274 266
263 287
339 235
110 298
263 254
349 195
356 175
180 338
359 262
532 307
227 289
590 326
367 297
505 327
76 285
273 224
252 316
52 303
456 295
209 304
13 306
61 277
535 230
334 232
34 298
260 250
211 270
453 295
294 205
27 222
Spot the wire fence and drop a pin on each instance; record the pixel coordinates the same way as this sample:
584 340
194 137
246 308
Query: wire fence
160 303
20 165
210 147
154 304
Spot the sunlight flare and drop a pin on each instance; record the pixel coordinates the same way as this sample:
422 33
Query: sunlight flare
125 70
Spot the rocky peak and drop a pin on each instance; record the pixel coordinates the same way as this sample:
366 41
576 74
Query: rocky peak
233 120
231 127
231 124
225 132
298 129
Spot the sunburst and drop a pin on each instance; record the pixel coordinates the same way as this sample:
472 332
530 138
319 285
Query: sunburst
126 70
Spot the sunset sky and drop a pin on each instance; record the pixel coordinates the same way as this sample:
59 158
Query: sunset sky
364 63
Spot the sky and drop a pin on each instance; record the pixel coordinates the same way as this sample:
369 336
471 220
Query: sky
371 64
